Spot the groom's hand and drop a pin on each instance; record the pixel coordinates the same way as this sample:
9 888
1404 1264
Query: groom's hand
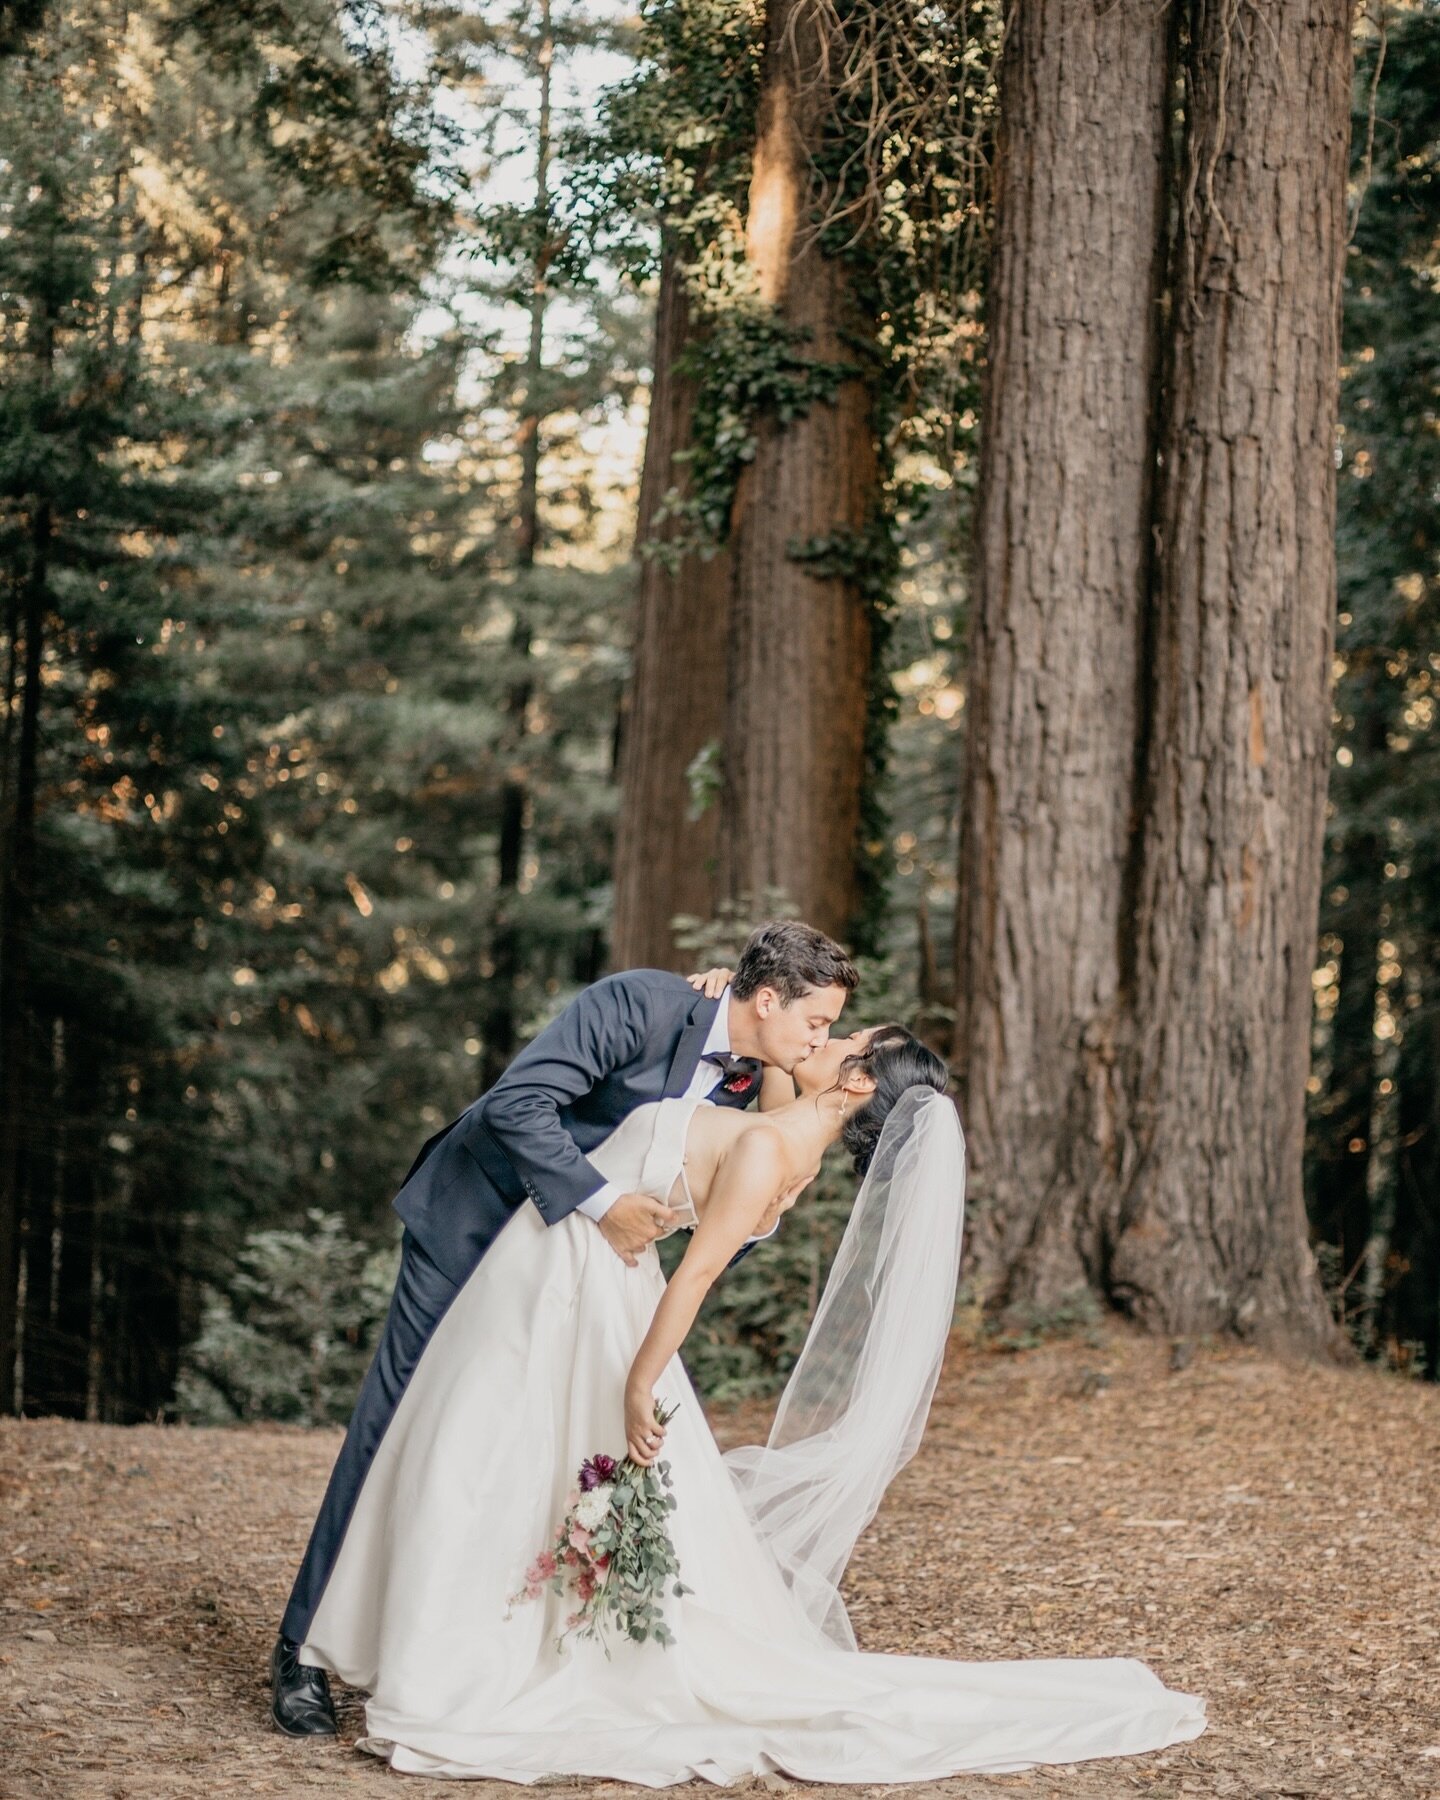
635 1221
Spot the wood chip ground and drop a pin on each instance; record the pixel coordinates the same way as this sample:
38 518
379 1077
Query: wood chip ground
1260 1533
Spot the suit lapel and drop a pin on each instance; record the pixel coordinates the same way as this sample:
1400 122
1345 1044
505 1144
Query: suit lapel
687 1052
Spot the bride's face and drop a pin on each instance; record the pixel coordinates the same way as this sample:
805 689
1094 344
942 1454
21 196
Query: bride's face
821 1068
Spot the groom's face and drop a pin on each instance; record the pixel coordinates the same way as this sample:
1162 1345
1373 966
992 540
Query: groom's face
788 1033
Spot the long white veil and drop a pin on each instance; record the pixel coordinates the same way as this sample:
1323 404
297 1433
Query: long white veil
854 1408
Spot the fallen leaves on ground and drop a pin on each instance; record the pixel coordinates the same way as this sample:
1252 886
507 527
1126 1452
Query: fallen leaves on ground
1259 1532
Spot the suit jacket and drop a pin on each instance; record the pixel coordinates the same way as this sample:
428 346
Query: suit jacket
626 1039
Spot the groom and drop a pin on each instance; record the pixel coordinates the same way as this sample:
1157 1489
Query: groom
635 1037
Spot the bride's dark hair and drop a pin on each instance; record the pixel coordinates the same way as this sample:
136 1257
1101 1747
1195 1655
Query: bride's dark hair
896 1060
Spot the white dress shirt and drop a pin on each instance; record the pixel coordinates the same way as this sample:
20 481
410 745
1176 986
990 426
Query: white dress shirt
704 1081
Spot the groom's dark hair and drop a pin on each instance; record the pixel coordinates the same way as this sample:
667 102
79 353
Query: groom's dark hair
791 958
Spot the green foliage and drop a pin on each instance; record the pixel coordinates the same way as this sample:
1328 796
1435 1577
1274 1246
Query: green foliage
718 941
1374 1139
1026 1327
291 1334
284 630
754 1320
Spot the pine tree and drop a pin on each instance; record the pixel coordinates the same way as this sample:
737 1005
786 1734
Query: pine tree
1374 1168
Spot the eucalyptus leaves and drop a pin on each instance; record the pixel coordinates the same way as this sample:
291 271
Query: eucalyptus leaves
613 1552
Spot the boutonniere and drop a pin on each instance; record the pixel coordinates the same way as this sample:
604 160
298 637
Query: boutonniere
738 1074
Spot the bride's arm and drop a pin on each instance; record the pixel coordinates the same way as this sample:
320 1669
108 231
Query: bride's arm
748 1177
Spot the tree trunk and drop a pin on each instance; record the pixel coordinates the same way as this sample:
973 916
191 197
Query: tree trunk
1057 631
665 852
21 1116
799 650
1412 1314
1212 1235
499 1023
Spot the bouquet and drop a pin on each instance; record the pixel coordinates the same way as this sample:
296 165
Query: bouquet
612 1550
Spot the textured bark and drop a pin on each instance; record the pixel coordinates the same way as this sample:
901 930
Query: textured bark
665 861
1213 1235
799 648
1057 631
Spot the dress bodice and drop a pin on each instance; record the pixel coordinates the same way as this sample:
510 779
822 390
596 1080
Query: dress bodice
646 1154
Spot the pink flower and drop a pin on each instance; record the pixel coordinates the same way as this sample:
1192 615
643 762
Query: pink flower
579 1539
542 1569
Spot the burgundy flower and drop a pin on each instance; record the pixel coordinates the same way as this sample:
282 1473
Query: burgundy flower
738 1074
596 1471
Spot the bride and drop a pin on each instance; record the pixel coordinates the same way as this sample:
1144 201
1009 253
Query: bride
554 1350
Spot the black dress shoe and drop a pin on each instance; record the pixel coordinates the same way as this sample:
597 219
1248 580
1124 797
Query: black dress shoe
300 1702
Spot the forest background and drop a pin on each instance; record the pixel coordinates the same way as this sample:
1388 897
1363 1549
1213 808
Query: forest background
481 485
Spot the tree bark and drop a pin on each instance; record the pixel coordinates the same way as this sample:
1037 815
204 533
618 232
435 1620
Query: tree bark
1057 632
799 649
21 1054
665 858
1212 1234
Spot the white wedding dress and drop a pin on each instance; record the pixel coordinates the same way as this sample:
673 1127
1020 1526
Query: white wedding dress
523 1379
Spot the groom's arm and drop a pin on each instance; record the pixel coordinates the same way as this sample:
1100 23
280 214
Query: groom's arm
603 1028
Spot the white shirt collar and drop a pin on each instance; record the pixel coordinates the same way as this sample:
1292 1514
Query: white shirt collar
719 1036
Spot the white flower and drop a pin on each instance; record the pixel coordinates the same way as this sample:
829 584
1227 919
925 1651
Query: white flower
593 1506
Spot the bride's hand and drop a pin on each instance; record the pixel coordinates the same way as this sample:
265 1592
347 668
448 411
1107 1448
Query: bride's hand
644 1438
713 982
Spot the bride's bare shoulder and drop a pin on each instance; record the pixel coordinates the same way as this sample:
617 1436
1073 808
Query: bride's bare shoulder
724 1129
714 1128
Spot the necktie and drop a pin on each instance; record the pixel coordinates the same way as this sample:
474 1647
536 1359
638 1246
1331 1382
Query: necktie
739 1075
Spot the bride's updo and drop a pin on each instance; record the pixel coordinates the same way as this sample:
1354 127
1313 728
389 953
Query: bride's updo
896 1060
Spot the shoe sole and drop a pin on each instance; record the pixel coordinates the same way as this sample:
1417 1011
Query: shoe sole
286 1730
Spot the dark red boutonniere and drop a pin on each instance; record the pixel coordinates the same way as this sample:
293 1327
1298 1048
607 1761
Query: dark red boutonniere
738 1074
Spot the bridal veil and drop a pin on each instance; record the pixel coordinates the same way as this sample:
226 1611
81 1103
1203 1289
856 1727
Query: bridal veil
854 1408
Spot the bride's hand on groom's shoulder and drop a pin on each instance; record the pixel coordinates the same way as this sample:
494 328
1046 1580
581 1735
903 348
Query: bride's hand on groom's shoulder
713 983
633 1223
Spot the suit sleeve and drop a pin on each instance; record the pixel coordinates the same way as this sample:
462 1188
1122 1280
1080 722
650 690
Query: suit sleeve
601 1030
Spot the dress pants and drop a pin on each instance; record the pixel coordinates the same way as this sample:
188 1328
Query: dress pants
422 1295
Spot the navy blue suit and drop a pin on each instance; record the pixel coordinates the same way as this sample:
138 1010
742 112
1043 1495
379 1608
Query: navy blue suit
630 1038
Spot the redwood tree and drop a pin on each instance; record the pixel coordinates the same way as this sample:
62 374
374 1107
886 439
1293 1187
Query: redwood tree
799 645
1062 547
1211 1233
675 709
748 733
1146 776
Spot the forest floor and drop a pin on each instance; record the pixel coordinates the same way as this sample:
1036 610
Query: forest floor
1260 1533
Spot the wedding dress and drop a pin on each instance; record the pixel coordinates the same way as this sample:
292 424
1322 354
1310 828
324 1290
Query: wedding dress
523 1379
